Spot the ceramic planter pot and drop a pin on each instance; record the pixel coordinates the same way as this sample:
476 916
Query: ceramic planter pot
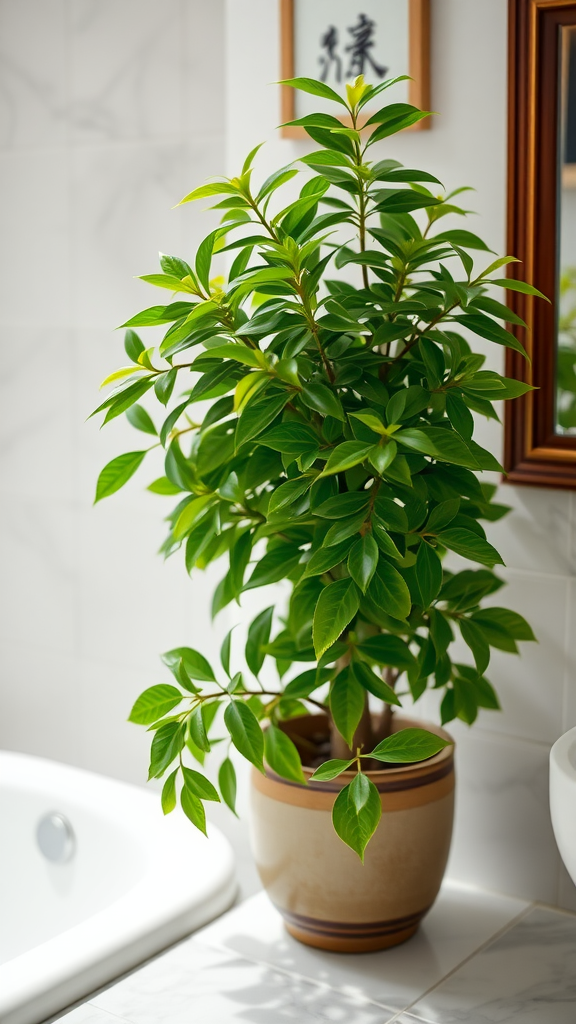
326 896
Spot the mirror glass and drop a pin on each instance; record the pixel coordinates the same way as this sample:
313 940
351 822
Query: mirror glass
566 284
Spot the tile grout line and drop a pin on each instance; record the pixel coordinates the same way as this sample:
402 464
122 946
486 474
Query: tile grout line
484 945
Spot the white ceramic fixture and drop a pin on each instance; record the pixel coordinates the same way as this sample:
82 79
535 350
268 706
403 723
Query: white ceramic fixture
93 880
563 798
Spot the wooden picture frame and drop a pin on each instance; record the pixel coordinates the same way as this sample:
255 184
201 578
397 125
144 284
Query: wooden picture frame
418 59
534 453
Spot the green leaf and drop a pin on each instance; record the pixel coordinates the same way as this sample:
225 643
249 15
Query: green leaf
154 703
362 561
194 663
489 329
439 443
442 514
291 439
389 591
227 783
256 416
512 622
258 637
356 813
116 473
476 641
274 566
225 652
326 558
166 745
199 785
213 189
466 239
429 573
288 492
517 286
347 702
336 607
469 545
330 770
193 809
342 505
139 418
315 88
345 456
374 683
322 400
282 755
168 798
197 731
133 345
387 650
408 746
245 732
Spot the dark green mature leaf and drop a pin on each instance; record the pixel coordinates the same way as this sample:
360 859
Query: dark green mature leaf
389 591
337 606
374 683
487 328
356 813
274 566
245 732
227 783
513 623
326 558
258 637
408 746
362 561
473 636
282 755
469 545
166 745
154 703
259 415
322 399
429 572
387 650
465 239
347 702
116 473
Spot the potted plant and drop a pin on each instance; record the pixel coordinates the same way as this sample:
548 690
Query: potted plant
336 453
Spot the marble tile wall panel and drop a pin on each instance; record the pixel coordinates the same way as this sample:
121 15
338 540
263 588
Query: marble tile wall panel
33 73
125 70
503 837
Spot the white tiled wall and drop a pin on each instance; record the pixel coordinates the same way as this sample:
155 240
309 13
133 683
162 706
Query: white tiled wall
104 125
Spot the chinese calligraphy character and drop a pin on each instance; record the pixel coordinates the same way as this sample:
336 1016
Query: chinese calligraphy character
362 34
329 42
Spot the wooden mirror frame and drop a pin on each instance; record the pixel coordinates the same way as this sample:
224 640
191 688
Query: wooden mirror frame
533 453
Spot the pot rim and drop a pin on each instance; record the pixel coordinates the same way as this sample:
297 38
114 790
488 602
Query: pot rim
380 775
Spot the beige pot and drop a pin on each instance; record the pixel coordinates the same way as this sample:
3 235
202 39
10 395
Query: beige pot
326 896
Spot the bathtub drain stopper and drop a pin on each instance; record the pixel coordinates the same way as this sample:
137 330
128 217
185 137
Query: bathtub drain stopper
55 838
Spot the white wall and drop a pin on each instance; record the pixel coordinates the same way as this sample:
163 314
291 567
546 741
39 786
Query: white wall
105 123
503 835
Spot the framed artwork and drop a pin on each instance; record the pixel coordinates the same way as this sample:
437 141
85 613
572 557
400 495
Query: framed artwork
336 40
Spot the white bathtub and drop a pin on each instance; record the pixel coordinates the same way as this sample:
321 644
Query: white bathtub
136 882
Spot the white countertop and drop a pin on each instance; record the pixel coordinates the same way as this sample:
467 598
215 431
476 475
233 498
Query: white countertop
478 957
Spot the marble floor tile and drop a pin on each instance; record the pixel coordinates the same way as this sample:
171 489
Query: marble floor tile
192 983
526 975
90 1014
462 920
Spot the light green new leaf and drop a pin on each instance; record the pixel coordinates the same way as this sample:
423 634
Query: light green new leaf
139 418
356 813
194 663
193 809
199 785
336 607
330 770
154 703
168 797
116 473
282 755
315 88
